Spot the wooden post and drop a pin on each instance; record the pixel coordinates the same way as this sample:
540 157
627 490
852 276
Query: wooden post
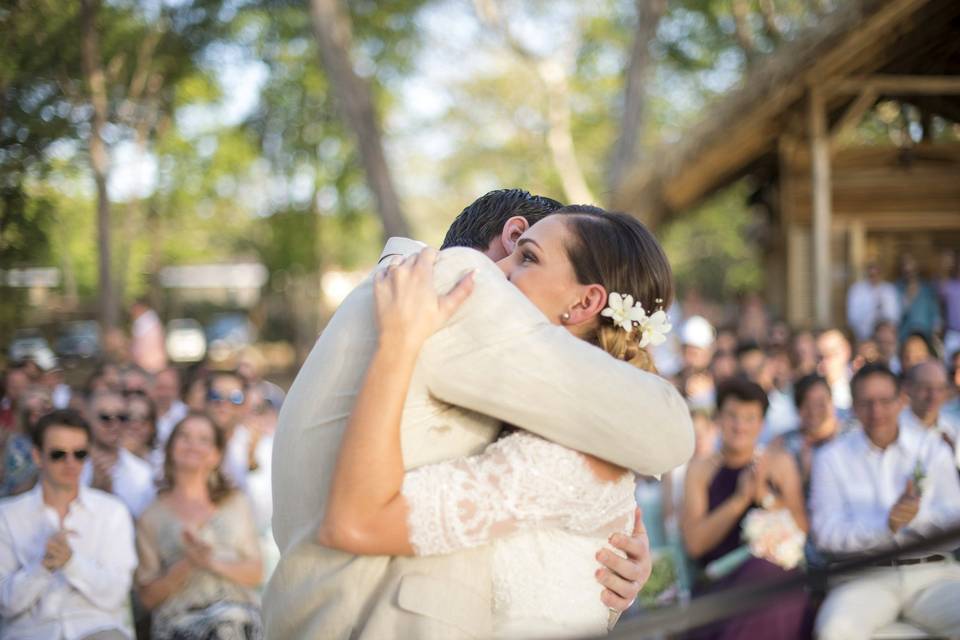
820 156
857 240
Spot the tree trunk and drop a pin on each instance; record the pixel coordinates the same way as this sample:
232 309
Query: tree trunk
560 133
331 26
769 14
742 31
626 152
99 156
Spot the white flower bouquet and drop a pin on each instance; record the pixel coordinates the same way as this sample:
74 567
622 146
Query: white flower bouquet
770 534
774 536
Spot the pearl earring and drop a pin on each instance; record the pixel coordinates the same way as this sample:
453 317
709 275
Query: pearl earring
565 317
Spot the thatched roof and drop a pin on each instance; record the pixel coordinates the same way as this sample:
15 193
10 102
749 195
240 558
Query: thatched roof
916 37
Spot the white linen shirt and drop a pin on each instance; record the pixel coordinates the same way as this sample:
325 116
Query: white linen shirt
90 592
133 481
854 484
165 423
868 304
946 425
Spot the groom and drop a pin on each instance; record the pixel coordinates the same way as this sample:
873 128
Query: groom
498 360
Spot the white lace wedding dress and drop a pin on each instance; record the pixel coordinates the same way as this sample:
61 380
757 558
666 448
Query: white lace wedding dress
546 515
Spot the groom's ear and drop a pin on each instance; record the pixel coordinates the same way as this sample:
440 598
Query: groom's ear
513 228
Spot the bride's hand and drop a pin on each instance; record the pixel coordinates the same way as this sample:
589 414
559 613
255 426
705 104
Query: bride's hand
408 308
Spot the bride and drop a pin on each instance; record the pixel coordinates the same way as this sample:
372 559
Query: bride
543 507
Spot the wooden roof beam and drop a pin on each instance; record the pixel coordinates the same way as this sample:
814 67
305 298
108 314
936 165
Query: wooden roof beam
902 85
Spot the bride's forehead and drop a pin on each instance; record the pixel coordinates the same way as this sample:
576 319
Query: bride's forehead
549 229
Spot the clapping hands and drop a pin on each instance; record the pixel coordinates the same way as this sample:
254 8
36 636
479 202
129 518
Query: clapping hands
57 552
196 551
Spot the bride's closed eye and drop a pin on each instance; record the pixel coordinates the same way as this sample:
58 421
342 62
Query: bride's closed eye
527 256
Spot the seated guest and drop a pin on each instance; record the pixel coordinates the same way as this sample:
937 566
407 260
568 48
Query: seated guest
927 389
833 356
916 348
111 467
199 553
165 394
818 425
66 551
952 407
878 488
885 337
721 489
227 406
18 472
140 435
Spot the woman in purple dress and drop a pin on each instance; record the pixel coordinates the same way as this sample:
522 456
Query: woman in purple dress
720 491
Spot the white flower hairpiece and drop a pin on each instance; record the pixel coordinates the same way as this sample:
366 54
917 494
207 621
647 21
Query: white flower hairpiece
627 314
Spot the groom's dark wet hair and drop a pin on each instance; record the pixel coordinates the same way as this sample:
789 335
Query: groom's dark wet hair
483 220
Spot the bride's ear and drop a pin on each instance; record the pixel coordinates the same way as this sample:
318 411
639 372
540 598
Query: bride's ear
512 230
593 300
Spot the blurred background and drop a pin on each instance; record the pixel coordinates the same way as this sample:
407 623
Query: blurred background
236 164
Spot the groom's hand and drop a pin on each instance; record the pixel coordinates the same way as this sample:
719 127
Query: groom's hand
625 577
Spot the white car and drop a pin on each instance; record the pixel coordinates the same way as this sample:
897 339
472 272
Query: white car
185 340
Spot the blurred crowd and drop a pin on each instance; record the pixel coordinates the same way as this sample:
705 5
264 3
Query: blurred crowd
176 543
853 431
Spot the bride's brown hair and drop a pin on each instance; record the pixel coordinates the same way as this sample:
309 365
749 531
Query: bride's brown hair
617 251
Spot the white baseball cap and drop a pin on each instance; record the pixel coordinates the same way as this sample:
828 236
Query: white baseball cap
697 332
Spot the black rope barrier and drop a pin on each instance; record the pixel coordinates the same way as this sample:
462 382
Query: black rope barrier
725 604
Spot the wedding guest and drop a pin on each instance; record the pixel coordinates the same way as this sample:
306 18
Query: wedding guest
112 468
885 337
952 407
106 377
53 379
869 301
721 489
251 365
226 406
194 389
927 390
920 307
803 354
949 291
723 365
880 487
15 382
19 471
818 425
833 354
140 435
133 378
695 382
916 348
66 551
165 393
753 321
147 347
199 554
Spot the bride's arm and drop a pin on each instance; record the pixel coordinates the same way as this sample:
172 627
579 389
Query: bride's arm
366 512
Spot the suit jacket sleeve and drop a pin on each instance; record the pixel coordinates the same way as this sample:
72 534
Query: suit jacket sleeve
500 356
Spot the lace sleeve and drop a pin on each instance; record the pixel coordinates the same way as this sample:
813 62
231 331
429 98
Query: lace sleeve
519 482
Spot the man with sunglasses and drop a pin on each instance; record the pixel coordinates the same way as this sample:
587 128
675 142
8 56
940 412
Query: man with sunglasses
111 467
67 551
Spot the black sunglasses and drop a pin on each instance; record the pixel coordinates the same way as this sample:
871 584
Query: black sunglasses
234 397
120 417
59 454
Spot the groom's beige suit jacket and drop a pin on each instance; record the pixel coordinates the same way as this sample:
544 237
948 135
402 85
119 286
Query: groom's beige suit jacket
497 360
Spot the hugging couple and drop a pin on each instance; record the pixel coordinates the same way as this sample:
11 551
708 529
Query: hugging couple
456 457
